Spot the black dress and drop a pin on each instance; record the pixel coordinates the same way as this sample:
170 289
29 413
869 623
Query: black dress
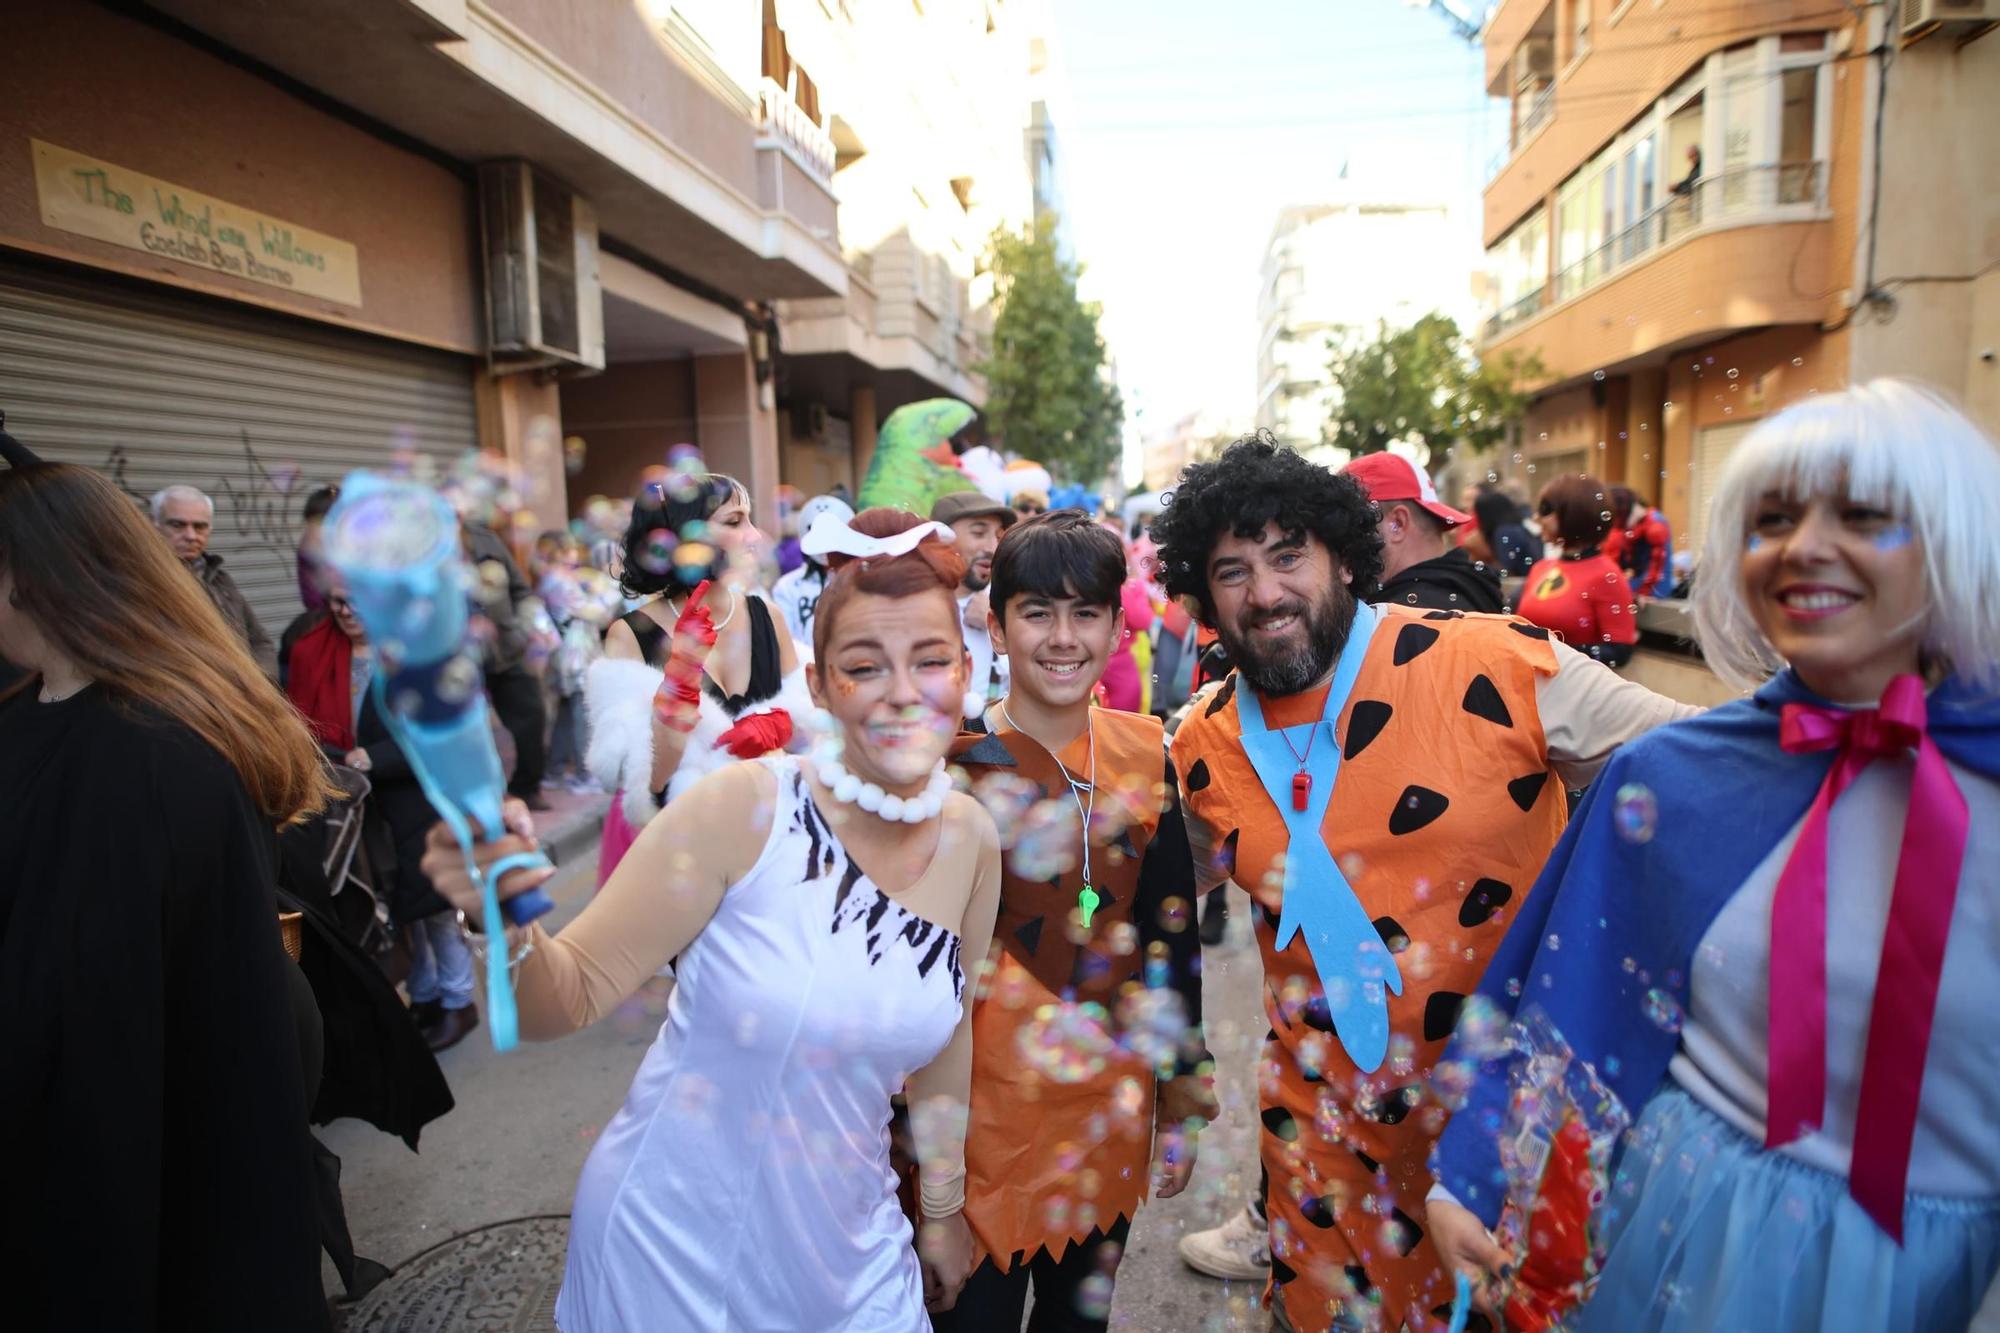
158 1170
767 671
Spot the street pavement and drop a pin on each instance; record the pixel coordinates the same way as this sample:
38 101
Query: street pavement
525 1121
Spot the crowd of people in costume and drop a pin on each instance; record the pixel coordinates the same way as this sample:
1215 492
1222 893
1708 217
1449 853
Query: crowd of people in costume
1587 1008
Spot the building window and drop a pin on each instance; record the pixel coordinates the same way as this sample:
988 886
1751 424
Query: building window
1579 30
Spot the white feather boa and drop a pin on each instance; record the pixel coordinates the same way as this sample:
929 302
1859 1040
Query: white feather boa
618 695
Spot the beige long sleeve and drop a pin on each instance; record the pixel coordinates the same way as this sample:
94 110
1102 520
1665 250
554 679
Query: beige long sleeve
1588 710
940 1093
655 904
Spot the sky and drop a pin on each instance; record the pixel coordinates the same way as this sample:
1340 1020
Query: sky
1185 125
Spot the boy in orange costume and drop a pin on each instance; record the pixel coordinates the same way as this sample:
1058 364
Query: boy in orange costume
1087 1052
1379 781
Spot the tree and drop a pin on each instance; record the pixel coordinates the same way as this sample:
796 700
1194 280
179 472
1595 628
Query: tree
1421 384
1398 386
1049 392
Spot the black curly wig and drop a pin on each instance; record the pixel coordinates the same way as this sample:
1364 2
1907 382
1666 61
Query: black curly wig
1258 481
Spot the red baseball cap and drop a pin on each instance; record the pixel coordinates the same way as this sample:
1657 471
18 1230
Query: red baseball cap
1389 477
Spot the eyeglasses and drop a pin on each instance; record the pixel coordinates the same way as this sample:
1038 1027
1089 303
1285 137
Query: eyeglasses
1029 511
339 604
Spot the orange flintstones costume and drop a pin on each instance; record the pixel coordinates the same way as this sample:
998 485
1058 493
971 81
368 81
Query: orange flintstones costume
1053 1153
1441 810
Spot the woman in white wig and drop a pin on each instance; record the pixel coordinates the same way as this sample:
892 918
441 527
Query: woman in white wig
1774 930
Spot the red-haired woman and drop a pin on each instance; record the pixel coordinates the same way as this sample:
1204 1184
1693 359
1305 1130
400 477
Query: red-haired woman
828 916
152 1088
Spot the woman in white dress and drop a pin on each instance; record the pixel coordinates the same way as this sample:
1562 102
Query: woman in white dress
827 918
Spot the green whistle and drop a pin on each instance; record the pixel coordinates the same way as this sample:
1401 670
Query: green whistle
1088 901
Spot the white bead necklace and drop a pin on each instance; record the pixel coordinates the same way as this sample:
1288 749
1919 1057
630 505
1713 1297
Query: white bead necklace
848 789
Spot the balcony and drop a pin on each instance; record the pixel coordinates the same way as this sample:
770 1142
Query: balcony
1509 315
1536 116
1734 198
1746 249
781 120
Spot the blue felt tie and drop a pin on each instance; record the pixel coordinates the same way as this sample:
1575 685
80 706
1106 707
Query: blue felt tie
1352 962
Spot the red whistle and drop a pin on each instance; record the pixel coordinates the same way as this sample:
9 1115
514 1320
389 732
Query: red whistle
1302 785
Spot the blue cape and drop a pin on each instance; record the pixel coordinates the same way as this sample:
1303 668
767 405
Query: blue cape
1627 915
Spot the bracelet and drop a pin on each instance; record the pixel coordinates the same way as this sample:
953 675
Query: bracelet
942 1198
476 943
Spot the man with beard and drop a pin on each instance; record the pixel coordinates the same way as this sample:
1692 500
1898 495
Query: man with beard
1378 780
976 522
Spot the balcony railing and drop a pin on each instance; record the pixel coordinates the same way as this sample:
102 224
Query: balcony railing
782 118
1510 315
1737 196
1537 115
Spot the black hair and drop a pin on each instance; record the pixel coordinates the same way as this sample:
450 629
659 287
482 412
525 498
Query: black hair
1494 510
670 507
1063 553
1255 482
319 502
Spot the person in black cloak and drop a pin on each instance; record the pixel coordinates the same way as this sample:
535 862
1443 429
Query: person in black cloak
153 1081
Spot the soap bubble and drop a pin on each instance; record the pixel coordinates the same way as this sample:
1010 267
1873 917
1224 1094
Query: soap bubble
1635 812
1662 1010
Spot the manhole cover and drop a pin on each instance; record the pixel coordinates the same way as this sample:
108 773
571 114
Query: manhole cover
500 1279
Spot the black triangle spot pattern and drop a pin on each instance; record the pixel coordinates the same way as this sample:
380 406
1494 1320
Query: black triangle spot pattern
1030 935
1317 1211
1482 699
1531 631
1411 642
1441 1014
1364 724
1415 808
1523 791
1197 777
1281 1123
1392 933
1488 896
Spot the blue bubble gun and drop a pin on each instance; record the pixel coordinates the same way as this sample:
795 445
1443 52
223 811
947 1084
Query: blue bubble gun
396 545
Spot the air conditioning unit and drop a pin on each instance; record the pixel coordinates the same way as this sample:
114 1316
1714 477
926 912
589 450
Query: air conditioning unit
1534 61
1920 17
543 304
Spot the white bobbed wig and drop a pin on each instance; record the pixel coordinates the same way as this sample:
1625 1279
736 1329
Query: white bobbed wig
1889 443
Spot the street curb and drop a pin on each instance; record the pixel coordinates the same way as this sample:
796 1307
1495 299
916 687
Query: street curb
577 835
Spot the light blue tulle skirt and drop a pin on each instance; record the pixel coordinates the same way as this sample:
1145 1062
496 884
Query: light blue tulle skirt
1712 1234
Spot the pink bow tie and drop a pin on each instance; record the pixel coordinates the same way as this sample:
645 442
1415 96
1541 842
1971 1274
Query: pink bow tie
1906 983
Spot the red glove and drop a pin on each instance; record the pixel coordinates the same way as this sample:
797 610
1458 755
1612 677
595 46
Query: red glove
678 703
757 734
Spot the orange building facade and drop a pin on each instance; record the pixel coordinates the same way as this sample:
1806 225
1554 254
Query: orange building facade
1707 211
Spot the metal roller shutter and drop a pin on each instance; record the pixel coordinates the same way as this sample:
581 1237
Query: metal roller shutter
1712 447
255 409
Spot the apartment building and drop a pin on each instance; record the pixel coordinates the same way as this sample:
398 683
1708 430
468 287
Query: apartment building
250 247
941 127
1352 263
1708 210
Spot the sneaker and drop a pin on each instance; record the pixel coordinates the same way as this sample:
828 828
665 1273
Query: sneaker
1239 1249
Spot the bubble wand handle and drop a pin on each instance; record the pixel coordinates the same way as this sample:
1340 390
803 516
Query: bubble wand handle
396 545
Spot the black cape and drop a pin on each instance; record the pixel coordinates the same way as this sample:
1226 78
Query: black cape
1450 582
158 1171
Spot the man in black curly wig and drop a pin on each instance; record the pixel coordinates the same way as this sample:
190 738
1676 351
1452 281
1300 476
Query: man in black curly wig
1257 505
1377 778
